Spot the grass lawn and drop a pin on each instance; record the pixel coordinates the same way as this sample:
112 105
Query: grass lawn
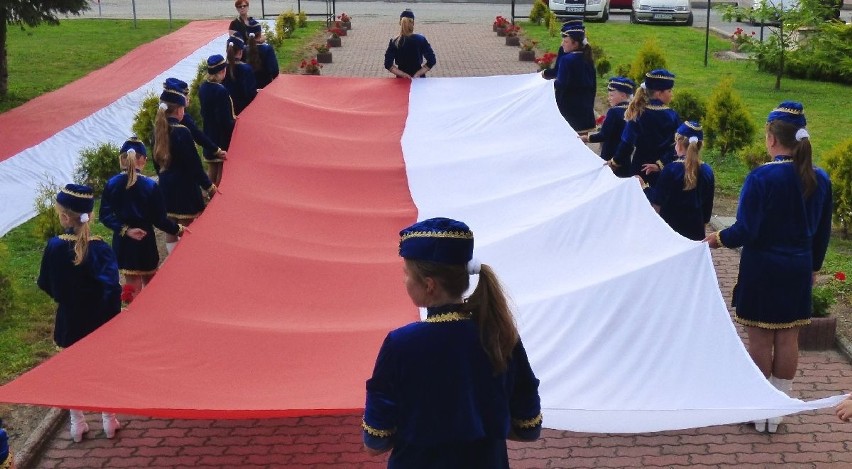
26 338
45 58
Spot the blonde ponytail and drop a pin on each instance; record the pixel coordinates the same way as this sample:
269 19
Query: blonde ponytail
161 137
637 105
81 230
128 164
490 309
692 161
785 133
406 28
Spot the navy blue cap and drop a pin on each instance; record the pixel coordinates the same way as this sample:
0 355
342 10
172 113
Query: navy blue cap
659 79
176 85
76 197
623 84
215 64
440 240
254 27
235 41
407 13
789 111
691 129
574 29
173 97
133 143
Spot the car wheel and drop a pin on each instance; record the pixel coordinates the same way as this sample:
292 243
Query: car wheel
633 17
605 15
689 20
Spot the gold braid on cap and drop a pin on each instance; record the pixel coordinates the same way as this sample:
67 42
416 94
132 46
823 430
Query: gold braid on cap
77 194
789 110
693 127
659 77
217 64
437 234
168 90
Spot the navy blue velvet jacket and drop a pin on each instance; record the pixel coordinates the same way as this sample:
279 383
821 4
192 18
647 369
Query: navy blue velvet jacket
435 398
652 138
217 112
242 86
575 90
268 70
685 211
87 295
411 53
609 136
140 206
183 180
209 146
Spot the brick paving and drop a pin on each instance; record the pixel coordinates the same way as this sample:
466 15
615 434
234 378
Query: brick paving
809 440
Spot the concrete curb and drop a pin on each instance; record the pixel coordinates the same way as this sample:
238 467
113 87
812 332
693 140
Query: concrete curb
29 453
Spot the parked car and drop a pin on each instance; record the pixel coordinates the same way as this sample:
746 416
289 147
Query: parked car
621 4
588 9
661 11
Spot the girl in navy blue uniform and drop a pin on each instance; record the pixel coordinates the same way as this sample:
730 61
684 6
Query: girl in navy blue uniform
211 150
260 55
575 84
783 225
131 206
182 178
649 130
619 92
239 80
217 113
448 391
683 195
79 272
407 52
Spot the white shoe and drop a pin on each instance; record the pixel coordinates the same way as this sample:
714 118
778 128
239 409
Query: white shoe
760 425
78 425
772 424
111 424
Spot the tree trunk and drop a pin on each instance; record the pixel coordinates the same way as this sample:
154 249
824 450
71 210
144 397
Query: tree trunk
781 60
4 65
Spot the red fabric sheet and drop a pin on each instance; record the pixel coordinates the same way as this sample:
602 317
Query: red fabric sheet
31 123
277 302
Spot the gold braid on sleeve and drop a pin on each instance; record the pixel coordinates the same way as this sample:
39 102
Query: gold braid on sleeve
529 423
375 431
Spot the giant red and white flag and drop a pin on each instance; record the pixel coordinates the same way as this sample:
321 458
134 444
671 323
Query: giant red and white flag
277 302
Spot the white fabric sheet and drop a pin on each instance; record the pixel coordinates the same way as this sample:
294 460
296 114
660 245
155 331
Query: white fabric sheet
622 318
55 159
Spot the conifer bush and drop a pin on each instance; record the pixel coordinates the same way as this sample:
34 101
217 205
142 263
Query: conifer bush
754 155
539 11
97 164
143 121
46 223
303 19
838 164
728 126
194 106
650 57
286 24
689 106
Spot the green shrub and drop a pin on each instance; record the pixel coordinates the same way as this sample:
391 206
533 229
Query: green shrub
194 106
728 125
286 24
822 299
754 155
838 164
552 23
650 57
46 224
603 66
143 121
689 106
539 11
97 165
623 70
303 19
7 293
826 55
272 38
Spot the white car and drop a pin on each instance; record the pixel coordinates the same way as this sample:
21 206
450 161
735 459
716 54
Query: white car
587 9
661 11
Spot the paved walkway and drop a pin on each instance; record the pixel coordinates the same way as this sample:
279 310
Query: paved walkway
815 439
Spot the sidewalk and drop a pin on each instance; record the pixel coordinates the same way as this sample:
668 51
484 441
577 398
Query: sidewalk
804 441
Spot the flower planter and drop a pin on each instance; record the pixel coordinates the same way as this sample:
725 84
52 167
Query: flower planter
526 56
347 25
819 334
494 27
513 41
501 32
324 57
334 42
342 32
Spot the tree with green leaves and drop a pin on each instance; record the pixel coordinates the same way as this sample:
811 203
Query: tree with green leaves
30 13
787 23
727 125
